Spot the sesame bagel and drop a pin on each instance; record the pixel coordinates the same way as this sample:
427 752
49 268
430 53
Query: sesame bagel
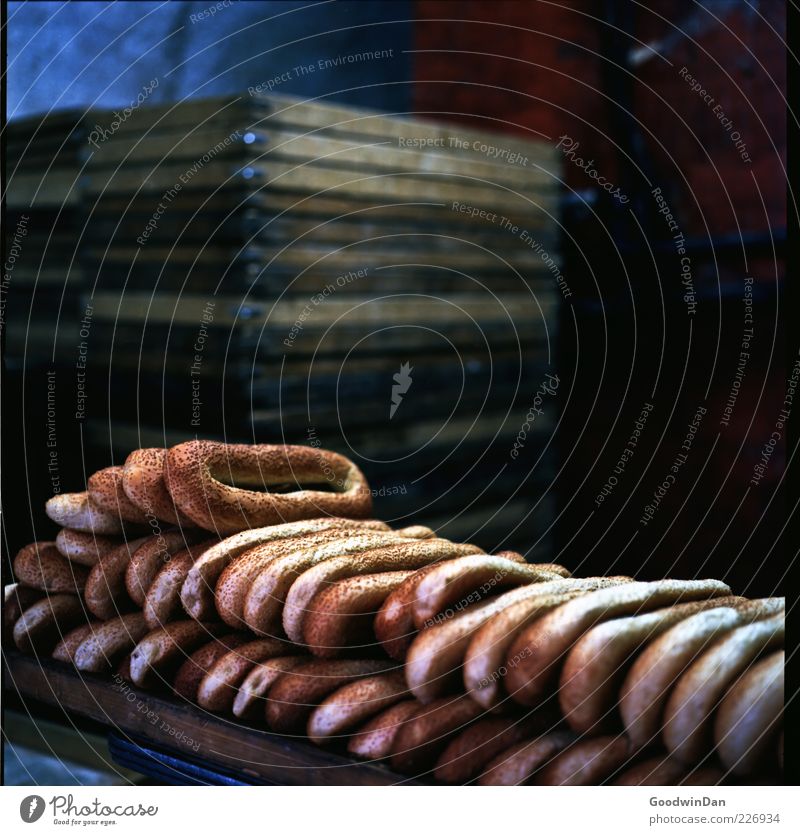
296 693
109 642
197 593
78 512
402 556
374 739
39 565
595 667
199 476
220 685
193 670
44 623
355 703
151 556
251 700
517 765
144 484
156 657
65 649
486 655
263 592
541 647
105 491
105 592
163 598
84 548
589 762
747 720
655 670
340 617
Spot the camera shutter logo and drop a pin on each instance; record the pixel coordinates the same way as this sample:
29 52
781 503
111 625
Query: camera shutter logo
31 808
402 383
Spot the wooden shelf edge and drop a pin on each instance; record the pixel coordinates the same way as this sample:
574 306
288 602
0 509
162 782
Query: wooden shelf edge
185 729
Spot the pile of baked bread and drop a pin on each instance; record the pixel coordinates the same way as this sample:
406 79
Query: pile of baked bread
251 581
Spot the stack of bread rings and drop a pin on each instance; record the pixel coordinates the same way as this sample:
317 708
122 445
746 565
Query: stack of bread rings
252 582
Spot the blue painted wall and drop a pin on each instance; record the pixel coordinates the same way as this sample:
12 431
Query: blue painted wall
65 55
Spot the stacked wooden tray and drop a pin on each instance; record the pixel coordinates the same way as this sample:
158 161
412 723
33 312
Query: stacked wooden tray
44 156
258 266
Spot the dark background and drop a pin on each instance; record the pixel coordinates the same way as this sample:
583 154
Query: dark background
607 75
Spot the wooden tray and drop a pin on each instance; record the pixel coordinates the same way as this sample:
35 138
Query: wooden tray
179 727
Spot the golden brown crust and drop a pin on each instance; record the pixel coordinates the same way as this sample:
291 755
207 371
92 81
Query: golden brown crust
105 593
84 548
46 621
468 754
65 649
295 694
105 491
16 599
78 512
394 623
193 670
422 738
595 667
457 583
197 594
162 650
163 599
542 646
354 704
144 484
220 685
251 700
687 729
517 765
152 555
374 740
258 588
401 556
589 762
656 669
658 771
109 642
193 470
748 718
39 565
340 618
485 658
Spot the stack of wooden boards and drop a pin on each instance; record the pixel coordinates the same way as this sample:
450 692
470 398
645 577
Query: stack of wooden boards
397 644
44 202
258 264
